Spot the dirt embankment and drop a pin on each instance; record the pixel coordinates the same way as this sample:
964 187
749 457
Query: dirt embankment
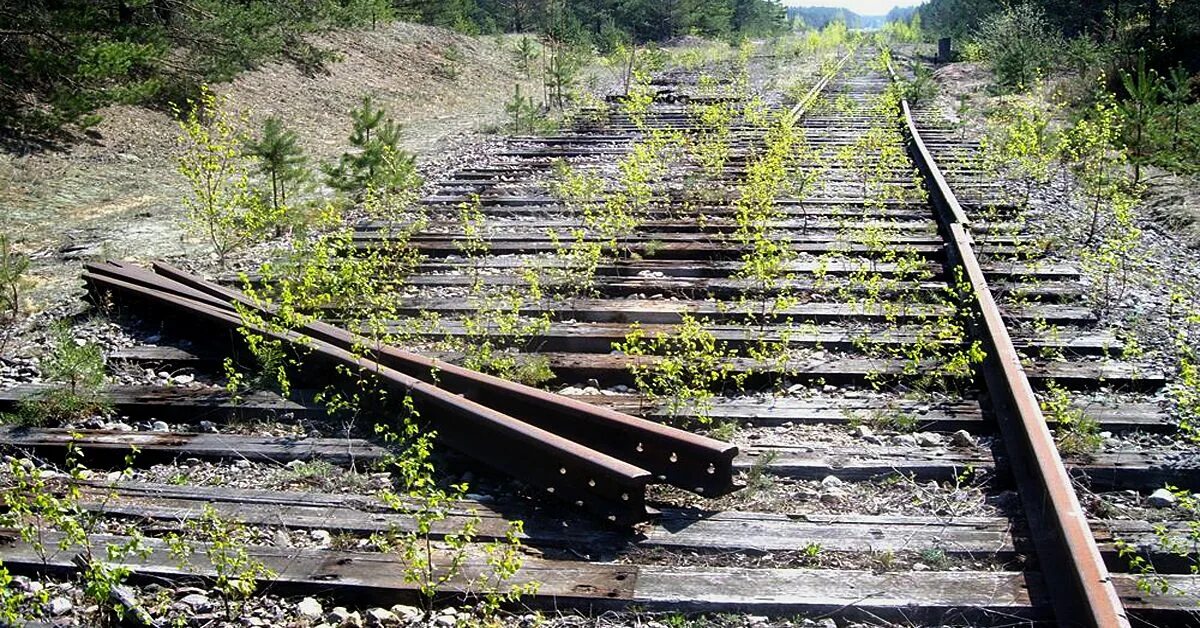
1171 200
118 196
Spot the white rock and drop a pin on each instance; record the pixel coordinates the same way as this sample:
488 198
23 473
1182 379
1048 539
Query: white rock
382 617
406 613
904 440
1162 498
322 537
831 481
184 379
863 431
198 602
445 621
832 495
920 567
160 426
60 606
310 608
929 439
27 585
962 438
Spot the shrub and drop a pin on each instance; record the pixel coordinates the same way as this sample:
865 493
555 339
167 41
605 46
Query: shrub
377 161
12 270
223 208
1017 43
77 371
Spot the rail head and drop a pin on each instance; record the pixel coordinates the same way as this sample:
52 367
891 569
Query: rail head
689 461
610 487
808 99
1079 583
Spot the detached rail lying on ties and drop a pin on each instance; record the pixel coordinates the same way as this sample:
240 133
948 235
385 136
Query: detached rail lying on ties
598 458
1079 584
811 97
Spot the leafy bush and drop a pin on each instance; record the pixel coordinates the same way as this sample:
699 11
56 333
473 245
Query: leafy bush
223 208
686 366
1017 44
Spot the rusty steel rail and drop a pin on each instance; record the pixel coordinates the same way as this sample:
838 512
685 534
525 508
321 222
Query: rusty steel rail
562 426
1078 582
675 456
804 103
599 483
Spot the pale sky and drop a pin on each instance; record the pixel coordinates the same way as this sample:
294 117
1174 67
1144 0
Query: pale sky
861 7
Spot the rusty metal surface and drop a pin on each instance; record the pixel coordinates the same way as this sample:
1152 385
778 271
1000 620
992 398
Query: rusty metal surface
675 456
804 103
1079 583
568 470
1080 586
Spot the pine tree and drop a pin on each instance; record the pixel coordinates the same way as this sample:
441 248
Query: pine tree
525 55
378 161
1176 91
279 159
12 266
1139 109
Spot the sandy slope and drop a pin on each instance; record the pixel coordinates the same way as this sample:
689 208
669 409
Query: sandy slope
118 195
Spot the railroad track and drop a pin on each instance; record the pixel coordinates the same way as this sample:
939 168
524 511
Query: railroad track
878 483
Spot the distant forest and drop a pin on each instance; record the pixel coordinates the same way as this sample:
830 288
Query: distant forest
60 60
1164 32
819 17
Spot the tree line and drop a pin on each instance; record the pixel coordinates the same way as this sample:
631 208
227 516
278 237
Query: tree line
1165 32
1141 54
61 60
